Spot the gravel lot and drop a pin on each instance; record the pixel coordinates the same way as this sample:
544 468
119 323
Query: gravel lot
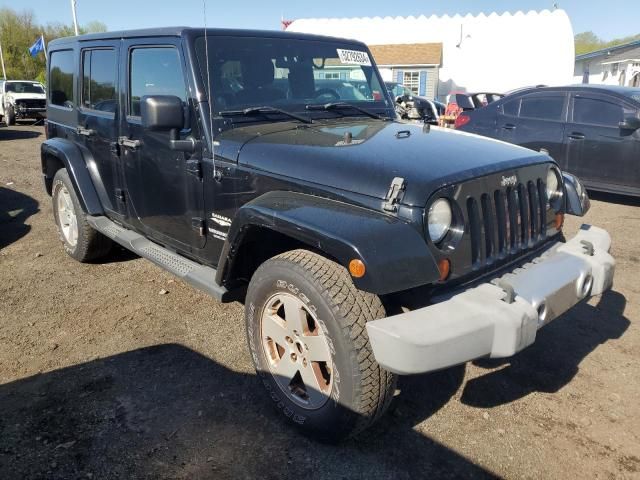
103 377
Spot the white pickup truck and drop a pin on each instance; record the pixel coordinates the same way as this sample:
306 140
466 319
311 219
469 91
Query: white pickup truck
21 99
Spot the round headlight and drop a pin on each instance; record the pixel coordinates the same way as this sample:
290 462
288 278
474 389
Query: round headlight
439 219
553 186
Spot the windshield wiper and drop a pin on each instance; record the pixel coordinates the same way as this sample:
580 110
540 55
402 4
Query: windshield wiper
343 106
264 110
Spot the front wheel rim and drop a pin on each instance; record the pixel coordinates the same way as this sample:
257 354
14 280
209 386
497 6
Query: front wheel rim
297 351
67 218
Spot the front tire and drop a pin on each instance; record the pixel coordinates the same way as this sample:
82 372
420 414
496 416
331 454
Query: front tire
80 240
306 331
11 116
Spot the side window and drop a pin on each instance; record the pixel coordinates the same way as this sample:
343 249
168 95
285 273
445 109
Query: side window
511 107
543 108
154 71
99 80
61 68
597 112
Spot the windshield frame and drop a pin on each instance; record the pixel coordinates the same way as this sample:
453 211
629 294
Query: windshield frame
384 106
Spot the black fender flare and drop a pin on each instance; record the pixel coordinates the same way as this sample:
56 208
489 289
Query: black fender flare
394 252
73 159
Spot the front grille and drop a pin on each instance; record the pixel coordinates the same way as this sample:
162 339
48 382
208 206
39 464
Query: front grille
496 224
32 103
506 221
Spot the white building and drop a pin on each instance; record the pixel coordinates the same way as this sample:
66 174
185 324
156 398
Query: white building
492 52
619 65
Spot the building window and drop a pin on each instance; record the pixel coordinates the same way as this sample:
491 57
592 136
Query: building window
614 69
332 76
411 80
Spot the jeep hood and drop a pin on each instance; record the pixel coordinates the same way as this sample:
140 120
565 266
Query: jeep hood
364 156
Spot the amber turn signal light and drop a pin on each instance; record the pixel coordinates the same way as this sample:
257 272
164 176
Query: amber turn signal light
444 266
357 268
559 221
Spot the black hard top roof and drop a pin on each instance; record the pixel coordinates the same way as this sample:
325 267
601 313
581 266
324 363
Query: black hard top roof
182 31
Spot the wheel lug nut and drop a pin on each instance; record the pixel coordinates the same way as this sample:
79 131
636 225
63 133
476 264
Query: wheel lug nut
289 339
294 357
304 362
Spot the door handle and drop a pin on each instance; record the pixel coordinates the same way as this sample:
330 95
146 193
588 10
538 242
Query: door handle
509 126
576 136
87 132
129 143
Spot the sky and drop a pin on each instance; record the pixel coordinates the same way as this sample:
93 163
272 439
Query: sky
607 19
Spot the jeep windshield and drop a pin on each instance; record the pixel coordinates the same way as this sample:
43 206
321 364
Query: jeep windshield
23 87
291 75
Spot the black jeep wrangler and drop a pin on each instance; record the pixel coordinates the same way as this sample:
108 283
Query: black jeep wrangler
362 247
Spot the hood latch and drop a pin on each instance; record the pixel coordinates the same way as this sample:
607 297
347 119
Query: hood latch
394 194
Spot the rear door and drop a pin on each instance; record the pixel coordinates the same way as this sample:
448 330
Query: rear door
98 118
599 151
164 188
541 122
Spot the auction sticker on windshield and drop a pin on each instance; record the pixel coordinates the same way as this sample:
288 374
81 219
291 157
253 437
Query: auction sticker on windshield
354 57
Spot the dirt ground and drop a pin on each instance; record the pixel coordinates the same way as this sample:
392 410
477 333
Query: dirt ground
103 377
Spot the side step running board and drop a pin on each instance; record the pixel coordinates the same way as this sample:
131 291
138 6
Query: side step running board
200 276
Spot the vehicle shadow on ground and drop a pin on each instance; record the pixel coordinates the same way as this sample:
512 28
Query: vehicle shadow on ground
117 254
627 200
11 133
15 208
553 360
168 412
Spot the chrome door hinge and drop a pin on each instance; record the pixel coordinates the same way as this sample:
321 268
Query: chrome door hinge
194 167
199 225
129 143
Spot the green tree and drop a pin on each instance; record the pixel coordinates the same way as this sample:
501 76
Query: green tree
18 31
586 42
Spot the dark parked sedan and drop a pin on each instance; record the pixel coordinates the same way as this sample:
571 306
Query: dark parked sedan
592 131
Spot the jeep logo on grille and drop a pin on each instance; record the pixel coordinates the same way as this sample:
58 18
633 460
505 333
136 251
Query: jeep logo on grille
509 181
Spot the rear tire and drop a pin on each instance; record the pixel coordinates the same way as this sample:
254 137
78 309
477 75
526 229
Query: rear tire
330 352
79 239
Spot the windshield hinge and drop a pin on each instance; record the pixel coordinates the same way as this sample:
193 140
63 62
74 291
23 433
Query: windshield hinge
393 196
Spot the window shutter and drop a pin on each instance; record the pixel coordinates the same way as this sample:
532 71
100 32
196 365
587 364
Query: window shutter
423 83
400 77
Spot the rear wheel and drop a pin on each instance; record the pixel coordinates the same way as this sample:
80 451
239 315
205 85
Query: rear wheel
79 239
306 331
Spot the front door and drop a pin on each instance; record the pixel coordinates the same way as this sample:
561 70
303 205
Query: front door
98 119
599 152
164 194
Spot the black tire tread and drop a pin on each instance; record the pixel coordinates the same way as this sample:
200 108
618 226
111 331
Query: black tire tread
91 245
354 307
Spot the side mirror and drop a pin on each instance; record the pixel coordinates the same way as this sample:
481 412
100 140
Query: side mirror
577 200
398 99
161 112
630 123
165 113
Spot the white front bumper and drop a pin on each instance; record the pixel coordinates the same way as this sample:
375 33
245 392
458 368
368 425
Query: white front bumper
497 318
